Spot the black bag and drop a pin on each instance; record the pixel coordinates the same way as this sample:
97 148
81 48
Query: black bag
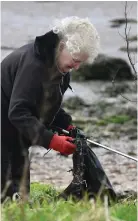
88 175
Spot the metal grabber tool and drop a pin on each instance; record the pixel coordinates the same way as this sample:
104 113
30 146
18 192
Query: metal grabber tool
103 146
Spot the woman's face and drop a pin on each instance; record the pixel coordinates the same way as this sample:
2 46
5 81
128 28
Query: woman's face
66 61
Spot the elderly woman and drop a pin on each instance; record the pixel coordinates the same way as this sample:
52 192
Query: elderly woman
34 79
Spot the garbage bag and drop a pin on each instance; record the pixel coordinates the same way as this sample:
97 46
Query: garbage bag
89 176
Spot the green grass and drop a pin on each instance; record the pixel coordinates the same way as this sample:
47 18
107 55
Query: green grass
43 207
116 119
126 211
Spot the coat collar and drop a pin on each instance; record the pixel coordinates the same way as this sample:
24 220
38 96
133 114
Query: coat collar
45 46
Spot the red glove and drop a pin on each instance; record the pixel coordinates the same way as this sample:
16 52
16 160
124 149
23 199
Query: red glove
70 127
62 144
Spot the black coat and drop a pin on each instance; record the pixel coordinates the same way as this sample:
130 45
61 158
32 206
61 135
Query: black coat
31 92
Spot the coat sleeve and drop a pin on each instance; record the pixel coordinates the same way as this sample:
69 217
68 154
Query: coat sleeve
62 120
22 105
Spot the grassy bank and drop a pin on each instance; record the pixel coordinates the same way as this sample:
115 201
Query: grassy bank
43 207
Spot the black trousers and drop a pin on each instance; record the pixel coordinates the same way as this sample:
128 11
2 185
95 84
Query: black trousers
14 155
15 167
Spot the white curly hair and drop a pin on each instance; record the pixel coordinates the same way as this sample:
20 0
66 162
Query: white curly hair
79 35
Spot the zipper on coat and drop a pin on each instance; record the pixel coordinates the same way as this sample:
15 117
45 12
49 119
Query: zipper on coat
60 104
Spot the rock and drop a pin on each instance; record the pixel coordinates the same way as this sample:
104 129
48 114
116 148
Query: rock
74 103
130 194
84 120
121 21
113 127
127 109
3 47
104 68
98 109
115 89
133 136
132 38
131 49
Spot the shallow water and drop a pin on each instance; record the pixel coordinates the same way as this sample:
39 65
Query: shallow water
22 21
